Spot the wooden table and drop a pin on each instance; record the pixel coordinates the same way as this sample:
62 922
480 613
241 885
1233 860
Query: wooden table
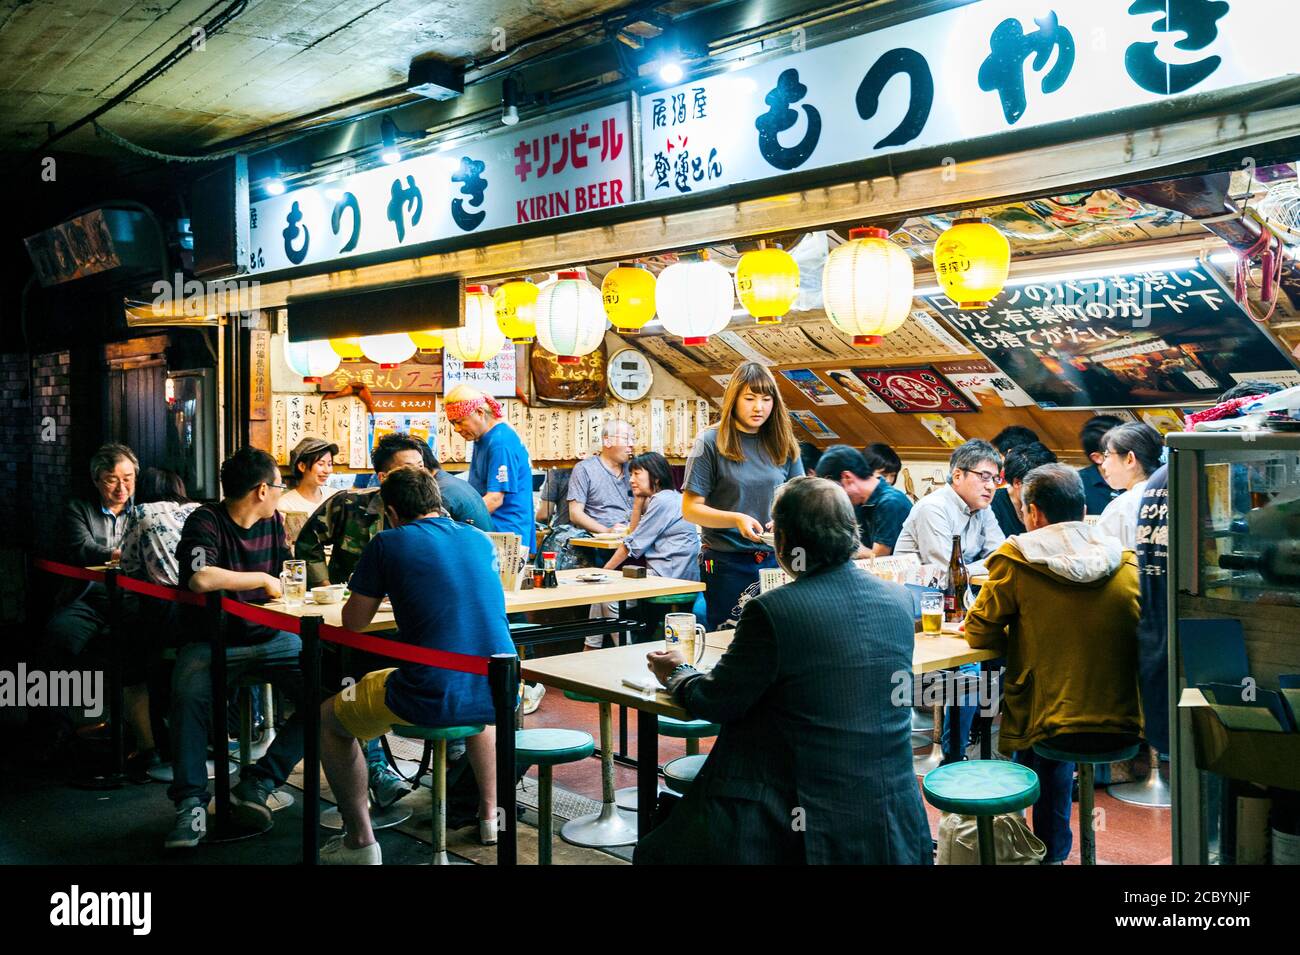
600 674
595 544
571 593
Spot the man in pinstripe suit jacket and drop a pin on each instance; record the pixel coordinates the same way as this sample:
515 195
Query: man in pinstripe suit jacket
813 763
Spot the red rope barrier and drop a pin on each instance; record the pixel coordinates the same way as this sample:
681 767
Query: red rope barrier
277 620
260 615
150 589
442 659
67 570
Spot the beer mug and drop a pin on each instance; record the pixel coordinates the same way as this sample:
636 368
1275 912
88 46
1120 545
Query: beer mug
681 632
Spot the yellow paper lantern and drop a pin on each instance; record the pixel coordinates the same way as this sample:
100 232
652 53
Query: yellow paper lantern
480 339
971 261
348 349
515 304
310 360
388 351
570 320
428 342
628 293
867 286
767 283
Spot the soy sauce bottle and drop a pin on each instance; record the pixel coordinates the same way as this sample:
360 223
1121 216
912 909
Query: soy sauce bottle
548 570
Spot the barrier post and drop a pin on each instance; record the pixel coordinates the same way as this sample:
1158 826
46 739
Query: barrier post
217 676
309 630
503 679
115 689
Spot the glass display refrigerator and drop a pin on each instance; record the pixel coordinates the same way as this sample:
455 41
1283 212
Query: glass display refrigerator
1234 560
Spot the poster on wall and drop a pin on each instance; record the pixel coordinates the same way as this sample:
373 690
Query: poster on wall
1138 339
985 385
859 392
812 387
914 390
579 385
497 377
813 425
944 429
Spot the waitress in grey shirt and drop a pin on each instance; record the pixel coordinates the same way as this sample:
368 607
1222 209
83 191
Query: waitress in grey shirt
732 474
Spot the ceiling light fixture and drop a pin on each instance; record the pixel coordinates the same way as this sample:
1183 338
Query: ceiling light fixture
510 96
388 132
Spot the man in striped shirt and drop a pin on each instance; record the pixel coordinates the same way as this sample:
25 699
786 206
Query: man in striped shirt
238 547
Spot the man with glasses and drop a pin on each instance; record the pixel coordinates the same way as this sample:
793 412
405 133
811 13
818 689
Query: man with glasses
958 509
236 547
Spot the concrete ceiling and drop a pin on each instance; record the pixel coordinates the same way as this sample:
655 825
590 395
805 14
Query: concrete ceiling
274 60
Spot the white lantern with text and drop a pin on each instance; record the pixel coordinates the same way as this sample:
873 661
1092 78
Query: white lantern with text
867 286
480 339
694 299
570 317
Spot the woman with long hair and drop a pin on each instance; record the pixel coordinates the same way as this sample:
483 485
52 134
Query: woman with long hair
731 475
1130 454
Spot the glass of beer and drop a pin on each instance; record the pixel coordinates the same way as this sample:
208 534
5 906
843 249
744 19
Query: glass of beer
931 613
293 582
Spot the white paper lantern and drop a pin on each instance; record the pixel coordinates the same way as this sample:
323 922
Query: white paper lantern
570 317
312 361
480 339
388 351
694 300
867 286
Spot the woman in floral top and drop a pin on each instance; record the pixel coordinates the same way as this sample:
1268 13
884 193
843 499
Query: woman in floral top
153 529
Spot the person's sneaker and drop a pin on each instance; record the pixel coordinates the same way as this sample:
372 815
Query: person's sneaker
533 693
386 787
253 796
487 831
191 823
334 852
139 763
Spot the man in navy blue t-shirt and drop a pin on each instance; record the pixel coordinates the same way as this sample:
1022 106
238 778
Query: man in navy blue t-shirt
500 469
441 578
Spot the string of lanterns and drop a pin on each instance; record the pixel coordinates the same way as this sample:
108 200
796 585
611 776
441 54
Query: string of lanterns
867 291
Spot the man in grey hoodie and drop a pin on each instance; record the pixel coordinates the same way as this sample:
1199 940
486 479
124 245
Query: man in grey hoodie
1062 605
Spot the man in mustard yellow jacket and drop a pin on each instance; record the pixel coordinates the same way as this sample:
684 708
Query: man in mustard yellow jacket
1061 604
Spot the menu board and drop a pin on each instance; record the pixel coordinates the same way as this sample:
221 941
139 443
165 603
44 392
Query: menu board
1139 339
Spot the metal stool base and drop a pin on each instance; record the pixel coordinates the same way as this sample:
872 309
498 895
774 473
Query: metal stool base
379 818
1152 792
163 773
931 760
600 830
626 799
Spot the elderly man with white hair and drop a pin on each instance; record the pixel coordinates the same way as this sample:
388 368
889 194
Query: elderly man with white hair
601 499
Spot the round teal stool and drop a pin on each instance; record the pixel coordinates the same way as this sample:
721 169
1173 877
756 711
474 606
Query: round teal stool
982 788
1086 762
690 730
438 736
679 773
545 748
607 828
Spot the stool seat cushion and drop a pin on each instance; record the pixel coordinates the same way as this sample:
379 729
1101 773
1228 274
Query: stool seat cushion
679 773
981 787
548 747
686 729
436 732
1066 756
671 599
581 697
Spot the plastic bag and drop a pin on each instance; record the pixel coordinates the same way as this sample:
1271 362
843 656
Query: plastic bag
1015 843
